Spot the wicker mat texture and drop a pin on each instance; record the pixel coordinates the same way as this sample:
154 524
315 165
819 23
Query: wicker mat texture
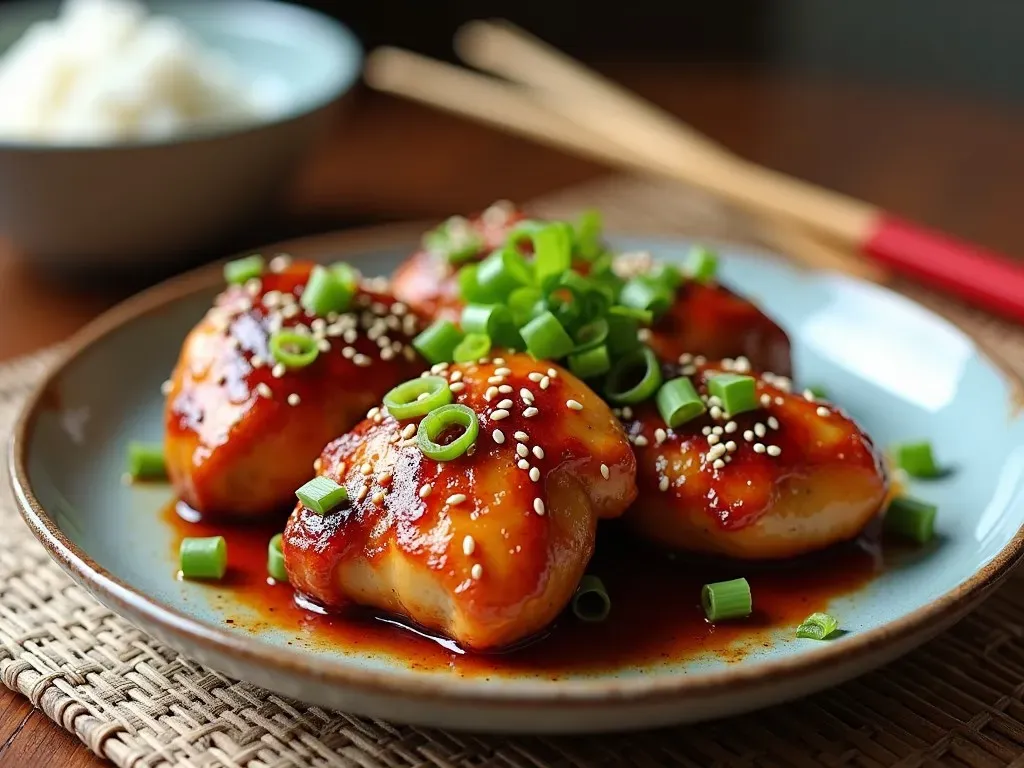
957 701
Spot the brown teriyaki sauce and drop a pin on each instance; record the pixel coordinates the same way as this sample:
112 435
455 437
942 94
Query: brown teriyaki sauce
656 614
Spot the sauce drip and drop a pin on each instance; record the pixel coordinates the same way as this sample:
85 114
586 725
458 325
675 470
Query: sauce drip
656 614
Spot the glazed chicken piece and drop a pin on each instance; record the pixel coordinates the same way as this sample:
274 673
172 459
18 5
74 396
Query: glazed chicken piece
793 476
242 432
487 548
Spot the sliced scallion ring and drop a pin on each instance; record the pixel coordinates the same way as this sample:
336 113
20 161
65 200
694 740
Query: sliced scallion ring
639 366
545 338
321 495
474 346
418 397
293 350
726 600
593 334
326 292
203 557
640 293
817 626
275 560
588 235
678 402
591 362
502 272
437 422
146 461
437 342
242 270
590 602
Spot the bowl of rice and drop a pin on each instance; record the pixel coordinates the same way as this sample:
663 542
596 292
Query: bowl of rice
134 134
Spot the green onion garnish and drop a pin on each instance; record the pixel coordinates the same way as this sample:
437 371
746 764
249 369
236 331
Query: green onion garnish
475 346
590 362
678 402
503 271
911 519
293 350
495 320
275 560
418 397
203 558
242 270
817 626
916 459
640 316
438 341
469 286
818 391
321 495
667 275
726 600
347 274
525 304
146 461
619 388
642 294
592 334
701 264
437 422
545 338
590 601
588 235
454 240
623 333
552 246
738 393
326 292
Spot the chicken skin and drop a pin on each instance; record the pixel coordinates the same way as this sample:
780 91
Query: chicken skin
486 548
243 430
793 476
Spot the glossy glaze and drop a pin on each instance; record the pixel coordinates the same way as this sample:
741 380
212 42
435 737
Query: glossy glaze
240 434
793 476
529 505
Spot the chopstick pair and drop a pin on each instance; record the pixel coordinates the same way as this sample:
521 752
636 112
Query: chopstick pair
562 103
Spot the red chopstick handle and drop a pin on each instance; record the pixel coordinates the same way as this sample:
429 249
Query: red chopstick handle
983 277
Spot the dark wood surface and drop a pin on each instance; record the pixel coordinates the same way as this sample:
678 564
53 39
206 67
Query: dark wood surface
947 163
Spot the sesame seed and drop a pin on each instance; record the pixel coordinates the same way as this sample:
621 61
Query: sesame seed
534 376
502 371
384 478
165 388
731 427
280 263
490 393
530 412
366 468
759 448
456 498
263 390
774 450
437 368
458 386
256 361
716 452
499 414
378 497
538 506
408 431
715 400
685 358
773 422
499 361
717 464
534 474
425 490
362 493
523 464
348 352
663 484
545 382
318 462
521 436
387 354
660 435
715 411
538 452
361 360
627 412
713 439
748 435
766 400
730 446
605 472
468 545
277 371
716 430
779 401
741 364
760 430
552 373
705 431
373 412
455 376
522 450
575 405
293 399
640 440
823 411
506 403
499 436
495 380
808 395
477 571
527 396
422 396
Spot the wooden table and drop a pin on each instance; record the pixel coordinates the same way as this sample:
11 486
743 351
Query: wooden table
947 162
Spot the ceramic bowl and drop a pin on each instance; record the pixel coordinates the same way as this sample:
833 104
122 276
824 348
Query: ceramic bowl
900 370
95 207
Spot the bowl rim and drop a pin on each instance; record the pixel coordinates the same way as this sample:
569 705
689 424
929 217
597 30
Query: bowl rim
187 631
346 78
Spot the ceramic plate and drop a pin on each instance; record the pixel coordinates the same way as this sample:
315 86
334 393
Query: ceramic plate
899 369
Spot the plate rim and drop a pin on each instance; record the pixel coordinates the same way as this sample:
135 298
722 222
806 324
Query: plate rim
126 599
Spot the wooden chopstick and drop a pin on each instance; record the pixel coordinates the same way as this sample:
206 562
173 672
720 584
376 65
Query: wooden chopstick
978 275
513 109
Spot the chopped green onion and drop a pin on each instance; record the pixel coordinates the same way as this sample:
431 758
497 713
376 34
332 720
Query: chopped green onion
242 270
469 286
321 495
203 558
326 292
418 397
474 346
916 459
702 264
666 275
817 626
623 334
590 362
437 422
454 240
146 461
275 560
495 320
293 350
640 316
438 341
552 246
678 402
545 338
347 274
502 272
911 519
590 601
639 293
726 600
618 388
525 304
737 392
819 392
588 235
593 334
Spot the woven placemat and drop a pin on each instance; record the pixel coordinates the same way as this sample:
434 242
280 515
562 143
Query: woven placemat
956 701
